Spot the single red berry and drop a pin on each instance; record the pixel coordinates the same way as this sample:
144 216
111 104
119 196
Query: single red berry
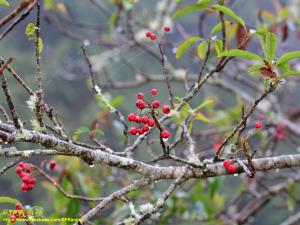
140 104
226 163
145 119
167 28
131 117
153 37
154 91
30 187
32 181
27 167
140 95
166 109
165 134
133 131
148 34
258 125
145 128
140 131
52 164
231 169
21 164
18 206
13 219
151 123
18 170
137 118
21 175
140 119
24 187
26 179
155 104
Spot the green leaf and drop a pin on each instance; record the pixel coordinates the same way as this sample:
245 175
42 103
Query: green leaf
219 46
204 104
112 20
202 118
4 3
6 199
214 186
290 73
255 68
183 46
202 49
40 45
287 57
269 46
188 9
218 27
48 4
229 13
205 2
285 66
241 53
30 31
80 131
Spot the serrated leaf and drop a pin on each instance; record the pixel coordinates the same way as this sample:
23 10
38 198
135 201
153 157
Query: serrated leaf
241 53
183 46
218 27
269 46
6 199
287 57
188 9
202 49
290 73
229 13
219 46
4 3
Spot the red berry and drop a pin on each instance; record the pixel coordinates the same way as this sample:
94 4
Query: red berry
52 164
140 95
30 187
140 119
258 125
26 179
18 206
145 119
155 104
140 104
145 128
226 163
24 187
18 170
21 164
32 181
231 169
166 109
154 91
131 117
153 37
133 131
165 134
140 131
151 123
167 28
148 34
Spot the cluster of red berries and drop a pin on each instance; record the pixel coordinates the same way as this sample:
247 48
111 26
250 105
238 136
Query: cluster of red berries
152 36
24 170
141 116
17 213
230 167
